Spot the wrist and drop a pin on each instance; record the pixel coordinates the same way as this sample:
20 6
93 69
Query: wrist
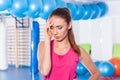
47 41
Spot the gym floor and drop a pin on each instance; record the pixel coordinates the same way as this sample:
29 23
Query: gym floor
22 73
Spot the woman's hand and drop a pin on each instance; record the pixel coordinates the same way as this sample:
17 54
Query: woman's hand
48 33
106 78
75 79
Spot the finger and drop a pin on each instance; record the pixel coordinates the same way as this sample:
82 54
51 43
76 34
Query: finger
48 25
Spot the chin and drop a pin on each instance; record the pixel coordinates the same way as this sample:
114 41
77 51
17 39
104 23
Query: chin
59 40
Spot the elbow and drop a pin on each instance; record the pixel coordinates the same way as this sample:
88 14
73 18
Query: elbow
95 75
98 72
44 71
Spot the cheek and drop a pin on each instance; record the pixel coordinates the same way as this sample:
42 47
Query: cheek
63 32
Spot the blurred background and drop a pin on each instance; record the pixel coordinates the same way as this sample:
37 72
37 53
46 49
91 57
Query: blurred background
96 25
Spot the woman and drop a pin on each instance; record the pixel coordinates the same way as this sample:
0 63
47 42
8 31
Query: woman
58 58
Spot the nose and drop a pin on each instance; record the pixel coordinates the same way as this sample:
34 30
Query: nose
55 31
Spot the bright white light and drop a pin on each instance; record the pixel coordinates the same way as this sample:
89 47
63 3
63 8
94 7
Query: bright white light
46 7
17 5
1 1
32 6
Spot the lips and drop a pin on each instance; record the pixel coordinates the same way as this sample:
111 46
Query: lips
56 37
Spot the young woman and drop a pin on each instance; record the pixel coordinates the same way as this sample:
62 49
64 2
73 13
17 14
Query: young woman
58 58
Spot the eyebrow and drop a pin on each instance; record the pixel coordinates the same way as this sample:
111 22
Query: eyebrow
59 26
56 26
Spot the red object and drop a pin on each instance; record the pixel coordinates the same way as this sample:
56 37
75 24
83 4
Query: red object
116 63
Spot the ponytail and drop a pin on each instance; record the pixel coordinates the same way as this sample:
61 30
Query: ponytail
73 43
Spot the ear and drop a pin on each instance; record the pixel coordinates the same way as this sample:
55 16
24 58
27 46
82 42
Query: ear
70 25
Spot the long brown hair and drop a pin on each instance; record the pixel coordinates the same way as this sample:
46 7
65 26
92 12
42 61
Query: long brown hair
65 14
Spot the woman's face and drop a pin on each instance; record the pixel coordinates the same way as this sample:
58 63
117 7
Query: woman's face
59 28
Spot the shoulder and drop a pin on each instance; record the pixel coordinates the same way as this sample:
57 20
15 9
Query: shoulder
81 49
84 54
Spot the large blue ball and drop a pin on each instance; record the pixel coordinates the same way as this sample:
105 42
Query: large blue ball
106 68
18 8
88 12
96 11
60 4
81 69
84 77
97 63
5 4
103 7
79 13
72 9
34 8
47 7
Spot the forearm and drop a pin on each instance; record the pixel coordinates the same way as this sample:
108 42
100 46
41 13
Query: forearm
95 76
46 59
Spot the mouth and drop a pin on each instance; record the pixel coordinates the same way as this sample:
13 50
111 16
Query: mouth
56 37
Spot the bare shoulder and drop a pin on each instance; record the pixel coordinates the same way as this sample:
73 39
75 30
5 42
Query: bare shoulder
84 54
81 49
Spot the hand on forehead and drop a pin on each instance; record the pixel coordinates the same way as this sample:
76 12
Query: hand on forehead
55 21
50 21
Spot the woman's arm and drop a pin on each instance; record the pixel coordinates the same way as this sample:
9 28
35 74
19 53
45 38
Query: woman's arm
87 61
44 52
44 57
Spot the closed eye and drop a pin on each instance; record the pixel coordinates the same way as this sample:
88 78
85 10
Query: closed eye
59 27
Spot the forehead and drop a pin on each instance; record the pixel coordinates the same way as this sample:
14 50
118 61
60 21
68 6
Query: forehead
56 20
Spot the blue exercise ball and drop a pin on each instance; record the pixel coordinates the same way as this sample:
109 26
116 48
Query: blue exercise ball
34 8
79 13
72 9
5 4
81 69
106 68
104 8
84 77
47 8
18 8
60 4
97 63
88 12
96 11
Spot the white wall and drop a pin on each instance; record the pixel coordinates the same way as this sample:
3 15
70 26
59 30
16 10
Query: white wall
98 33
116 29
101 33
